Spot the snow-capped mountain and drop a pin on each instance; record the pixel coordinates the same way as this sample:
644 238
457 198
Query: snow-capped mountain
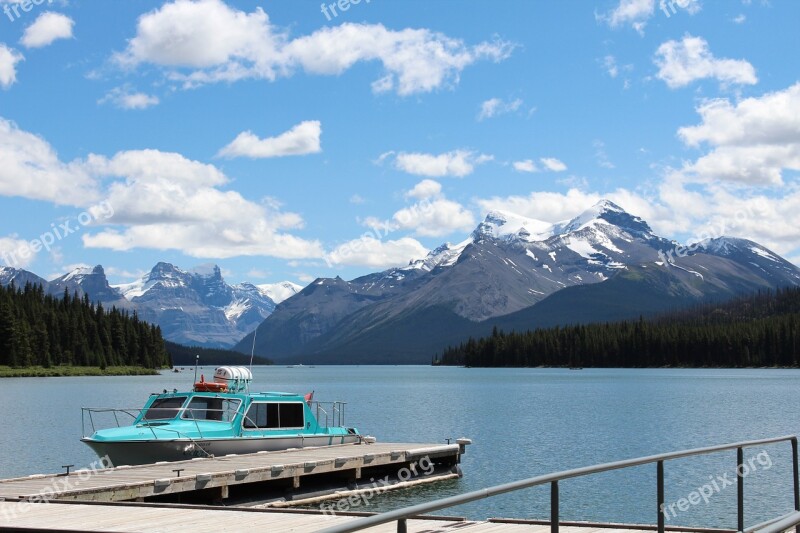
278 292
197 306
19 277
193 307
509 264
87 280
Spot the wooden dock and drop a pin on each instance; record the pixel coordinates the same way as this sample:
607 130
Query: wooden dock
281 476
136 518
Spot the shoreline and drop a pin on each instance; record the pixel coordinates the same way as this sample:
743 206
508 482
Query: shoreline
74 371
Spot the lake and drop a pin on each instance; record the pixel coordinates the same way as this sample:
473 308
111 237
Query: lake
523 422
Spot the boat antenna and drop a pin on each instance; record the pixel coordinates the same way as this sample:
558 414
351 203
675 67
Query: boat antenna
253 349
196 361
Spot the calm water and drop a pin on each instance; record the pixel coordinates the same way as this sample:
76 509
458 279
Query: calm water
524 422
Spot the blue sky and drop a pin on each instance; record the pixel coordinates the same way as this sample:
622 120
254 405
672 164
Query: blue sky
284 143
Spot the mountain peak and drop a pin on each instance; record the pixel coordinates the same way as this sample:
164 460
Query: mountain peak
500 224
609 212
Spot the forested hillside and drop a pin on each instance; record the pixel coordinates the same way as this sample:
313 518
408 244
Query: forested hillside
761 330
38 329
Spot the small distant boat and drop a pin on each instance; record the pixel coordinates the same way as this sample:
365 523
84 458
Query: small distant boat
218 418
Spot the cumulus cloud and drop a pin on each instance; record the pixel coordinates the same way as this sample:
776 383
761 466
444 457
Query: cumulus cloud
30 168
8 66
683 62
16 253
553 164
160 200
636 13
434 218
526 165
126 98
208 41
372 252
458 163
633 12
752 142
548 163
47 28
496 106
302 139
425 189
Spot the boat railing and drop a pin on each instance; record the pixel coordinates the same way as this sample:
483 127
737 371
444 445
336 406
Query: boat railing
134 414
333 412
776 525
89 412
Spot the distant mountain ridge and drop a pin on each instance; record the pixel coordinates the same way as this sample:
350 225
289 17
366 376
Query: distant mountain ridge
194 307
512 271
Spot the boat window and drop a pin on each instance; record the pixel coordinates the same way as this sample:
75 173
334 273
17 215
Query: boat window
164 408
275 416
206 408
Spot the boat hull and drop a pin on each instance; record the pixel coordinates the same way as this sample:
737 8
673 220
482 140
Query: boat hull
138 452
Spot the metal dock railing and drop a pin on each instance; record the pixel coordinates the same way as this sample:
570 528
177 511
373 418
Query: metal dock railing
776 525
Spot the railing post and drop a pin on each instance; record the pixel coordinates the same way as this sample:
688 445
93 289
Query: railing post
402 527
660 495
554 507
739 489
795 476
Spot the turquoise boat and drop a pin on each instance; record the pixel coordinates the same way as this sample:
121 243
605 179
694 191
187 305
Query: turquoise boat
214 419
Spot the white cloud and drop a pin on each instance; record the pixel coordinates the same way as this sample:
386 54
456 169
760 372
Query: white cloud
8 66
434 218
169 202
677 212
16 253
160 201
458 163
125 98
47 28
30 168
357 199
526 165
302 139
610 64
739 19
549 163
752 141
682 62
636 13
207 41
425 189
375 253
633 12
553 164
600 154
496 106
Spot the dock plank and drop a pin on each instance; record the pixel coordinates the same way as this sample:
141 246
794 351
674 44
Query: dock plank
143 481
168 519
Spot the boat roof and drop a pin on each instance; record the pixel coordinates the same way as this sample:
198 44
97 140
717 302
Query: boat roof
272 394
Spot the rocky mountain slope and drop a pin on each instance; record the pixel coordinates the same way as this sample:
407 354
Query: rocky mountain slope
517 273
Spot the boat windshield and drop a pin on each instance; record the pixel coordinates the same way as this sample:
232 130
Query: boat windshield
164 408
216 409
